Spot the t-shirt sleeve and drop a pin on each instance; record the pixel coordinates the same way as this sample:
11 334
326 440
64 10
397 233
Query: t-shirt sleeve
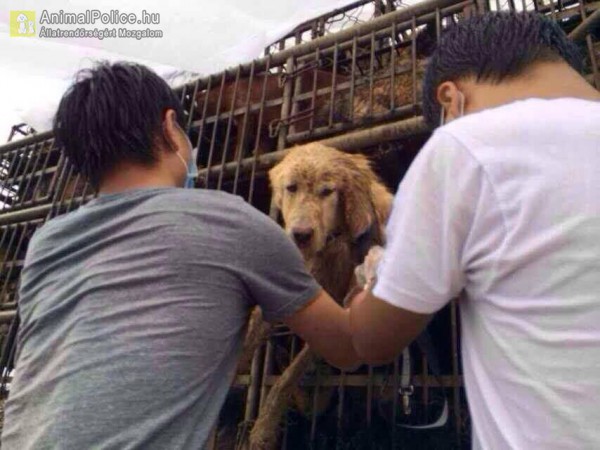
273 270
423 264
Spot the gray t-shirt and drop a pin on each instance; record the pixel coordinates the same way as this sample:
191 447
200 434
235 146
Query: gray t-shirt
133 312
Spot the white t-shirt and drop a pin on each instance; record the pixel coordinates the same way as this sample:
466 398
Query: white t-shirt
503 208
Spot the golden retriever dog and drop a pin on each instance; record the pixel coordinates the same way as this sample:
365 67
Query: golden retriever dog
334 208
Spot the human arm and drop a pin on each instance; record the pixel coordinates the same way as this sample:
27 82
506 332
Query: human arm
425 262
278 281
325 326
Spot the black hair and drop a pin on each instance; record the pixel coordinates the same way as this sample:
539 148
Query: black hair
113 113
494 47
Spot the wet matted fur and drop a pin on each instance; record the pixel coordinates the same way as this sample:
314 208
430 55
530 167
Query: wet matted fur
335 208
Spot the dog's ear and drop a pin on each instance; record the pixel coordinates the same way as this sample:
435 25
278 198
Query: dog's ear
357 197
275 178
382 201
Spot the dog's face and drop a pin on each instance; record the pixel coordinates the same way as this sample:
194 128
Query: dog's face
321 193
310 203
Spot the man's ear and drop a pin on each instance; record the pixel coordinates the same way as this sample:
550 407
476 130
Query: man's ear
449 98
172 132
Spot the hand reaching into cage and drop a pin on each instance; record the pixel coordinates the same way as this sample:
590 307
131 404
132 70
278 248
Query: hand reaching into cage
365 274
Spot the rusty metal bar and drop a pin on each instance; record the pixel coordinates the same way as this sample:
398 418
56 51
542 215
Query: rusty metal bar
268 361
340 408
313 98
239 147
370 379
353 77
371 74
75 185
285 105
413 46
203 117
25 141
193 105
293 349
216 125
333 85
584 27
420 10
258 133
54 181
314 24
254 387
297 87
396 387
26 155
348 142
455 390
22 155
393 50
60 180
5 186
425 385
50 149
350 380
315 404
27 186
593 61
591 21
552 10
24 229
13 232
38 173
7 316
229 124
382 33
323 133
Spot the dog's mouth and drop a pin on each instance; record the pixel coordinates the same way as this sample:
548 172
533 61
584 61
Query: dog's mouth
303 245
306 246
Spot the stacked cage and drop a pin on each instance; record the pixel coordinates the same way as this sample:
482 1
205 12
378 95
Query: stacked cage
351 80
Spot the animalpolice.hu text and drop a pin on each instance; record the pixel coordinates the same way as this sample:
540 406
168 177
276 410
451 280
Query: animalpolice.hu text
100 34
91 16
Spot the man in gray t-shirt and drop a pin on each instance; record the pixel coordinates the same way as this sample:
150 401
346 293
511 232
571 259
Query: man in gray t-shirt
133 308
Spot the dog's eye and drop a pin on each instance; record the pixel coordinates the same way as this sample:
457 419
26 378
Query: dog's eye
292 187
326 192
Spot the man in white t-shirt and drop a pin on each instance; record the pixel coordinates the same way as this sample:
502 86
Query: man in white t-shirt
501 208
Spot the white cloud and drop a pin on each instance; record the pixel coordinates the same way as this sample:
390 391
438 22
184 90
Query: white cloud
204 37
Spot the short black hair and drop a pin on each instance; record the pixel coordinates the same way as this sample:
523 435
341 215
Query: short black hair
493 47
113 113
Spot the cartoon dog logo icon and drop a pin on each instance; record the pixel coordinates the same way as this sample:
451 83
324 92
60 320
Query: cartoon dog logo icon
22 23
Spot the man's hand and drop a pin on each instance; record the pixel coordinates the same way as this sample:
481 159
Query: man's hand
366 273
381 331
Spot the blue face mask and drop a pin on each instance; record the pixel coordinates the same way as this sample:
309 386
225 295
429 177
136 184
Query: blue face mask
191 169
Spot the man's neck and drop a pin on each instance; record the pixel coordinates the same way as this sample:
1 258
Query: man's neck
127 177
544 80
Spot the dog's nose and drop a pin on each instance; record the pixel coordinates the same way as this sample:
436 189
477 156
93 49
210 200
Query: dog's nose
302 236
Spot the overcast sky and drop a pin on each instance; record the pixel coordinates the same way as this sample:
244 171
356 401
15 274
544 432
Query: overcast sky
203 37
